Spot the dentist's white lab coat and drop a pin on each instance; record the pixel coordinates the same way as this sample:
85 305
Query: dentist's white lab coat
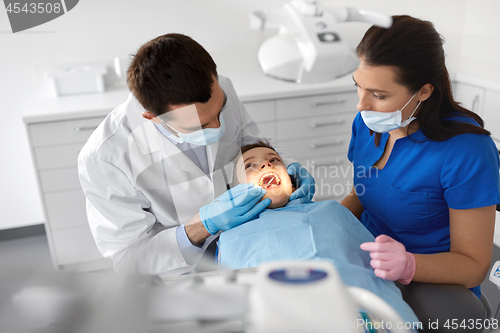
140 186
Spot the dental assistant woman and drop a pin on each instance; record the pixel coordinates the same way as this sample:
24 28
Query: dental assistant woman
426 172
153 167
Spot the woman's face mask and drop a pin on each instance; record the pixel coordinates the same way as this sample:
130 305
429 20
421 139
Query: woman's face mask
382 122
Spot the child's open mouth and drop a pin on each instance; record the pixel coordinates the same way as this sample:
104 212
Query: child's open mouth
269 179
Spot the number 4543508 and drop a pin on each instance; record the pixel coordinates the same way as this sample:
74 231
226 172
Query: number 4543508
471 324
32 8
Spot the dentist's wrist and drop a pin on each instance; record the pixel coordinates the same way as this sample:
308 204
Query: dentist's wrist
203 217
196 231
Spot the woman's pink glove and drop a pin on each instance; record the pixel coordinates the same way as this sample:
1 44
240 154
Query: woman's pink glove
390 260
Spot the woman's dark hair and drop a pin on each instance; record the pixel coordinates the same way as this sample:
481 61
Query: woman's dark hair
415 49
171 69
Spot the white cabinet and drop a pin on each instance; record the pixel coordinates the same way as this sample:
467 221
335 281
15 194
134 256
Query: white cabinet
305 107
264 114
484 99
316 131
471 97
491 115
314 126
55 146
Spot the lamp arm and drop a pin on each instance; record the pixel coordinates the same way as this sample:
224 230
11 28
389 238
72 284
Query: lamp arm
276 17
268 18
345 14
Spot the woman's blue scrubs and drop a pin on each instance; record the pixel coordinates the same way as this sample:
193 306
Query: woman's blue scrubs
409 198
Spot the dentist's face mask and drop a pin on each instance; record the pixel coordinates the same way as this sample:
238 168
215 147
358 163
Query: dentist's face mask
189 118
382 122
201 137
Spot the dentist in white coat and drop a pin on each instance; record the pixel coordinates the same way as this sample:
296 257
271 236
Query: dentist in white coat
156 172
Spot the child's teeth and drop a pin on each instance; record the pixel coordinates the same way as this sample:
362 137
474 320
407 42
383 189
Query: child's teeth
273 177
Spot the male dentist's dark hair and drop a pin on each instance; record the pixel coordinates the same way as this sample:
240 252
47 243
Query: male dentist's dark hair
169 70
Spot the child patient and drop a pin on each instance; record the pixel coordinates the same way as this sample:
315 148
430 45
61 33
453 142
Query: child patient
301 230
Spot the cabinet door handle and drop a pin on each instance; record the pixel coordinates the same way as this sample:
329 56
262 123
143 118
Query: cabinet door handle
475 103
335 101
88 128
321 145
332 123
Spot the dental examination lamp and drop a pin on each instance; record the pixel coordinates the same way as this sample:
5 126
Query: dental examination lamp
309 47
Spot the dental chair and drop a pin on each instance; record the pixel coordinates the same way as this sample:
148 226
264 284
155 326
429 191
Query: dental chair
437 305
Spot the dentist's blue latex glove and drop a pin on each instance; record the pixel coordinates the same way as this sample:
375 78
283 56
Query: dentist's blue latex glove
233 207
303 180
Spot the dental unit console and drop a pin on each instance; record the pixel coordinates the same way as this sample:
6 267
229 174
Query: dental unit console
289 296
286 296
309 47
